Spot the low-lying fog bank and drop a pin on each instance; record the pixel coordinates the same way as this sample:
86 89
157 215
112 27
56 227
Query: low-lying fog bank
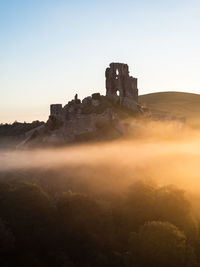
164 152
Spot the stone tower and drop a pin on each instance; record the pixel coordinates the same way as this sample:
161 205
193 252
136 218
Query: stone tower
56 110
121 87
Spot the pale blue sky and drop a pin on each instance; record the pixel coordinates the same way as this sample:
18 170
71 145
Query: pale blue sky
52 49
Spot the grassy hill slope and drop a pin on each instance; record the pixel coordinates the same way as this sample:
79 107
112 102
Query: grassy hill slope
175 103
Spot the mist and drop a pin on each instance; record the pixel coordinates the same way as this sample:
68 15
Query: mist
101 197
165 152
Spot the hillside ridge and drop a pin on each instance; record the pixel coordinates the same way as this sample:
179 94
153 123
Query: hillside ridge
173 102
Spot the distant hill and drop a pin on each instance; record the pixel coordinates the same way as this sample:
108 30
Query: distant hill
174 103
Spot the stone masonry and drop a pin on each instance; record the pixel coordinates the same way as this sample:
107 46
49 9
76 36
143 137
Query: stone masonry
121 87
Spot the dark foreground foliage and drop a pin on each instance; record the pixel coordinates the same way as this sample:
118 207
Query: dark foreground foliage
18 129
144 226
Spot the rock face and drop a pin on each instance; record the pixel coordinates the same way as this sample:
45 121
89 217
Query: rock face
96 116
120 87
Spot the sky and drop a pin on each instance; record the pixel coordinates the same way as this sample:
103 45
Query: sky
52 49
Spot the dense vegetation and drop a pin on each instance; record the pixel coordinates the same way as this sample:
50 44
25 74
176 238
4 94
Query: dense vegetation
17 129
52 218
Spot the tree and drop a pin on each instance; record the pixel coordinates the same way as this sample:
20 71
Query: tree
7 240
173 206
139 205
160 244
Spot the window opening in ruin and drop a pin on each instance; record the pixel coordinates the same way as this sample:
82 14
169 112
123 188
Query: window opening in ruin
117 92
117 72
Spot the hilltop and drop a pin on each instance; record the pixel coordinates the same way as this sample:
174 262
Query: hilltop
175 103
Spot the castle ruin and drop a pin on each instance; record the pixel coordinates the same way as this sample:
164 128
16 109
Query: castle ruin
95 117
120 87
